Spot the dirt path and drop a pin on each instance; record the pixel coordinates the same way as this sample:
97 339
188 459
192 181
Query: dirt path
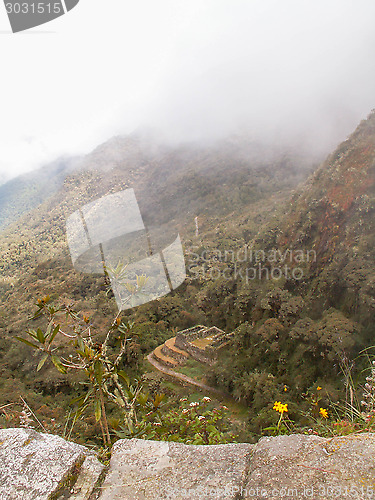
182 377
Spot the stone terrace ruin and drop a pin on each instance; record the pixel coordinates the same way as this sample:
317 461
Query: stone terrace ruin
200 342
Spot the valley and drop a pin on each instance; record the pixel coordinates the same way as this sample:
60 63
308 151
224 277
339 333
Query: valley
295 331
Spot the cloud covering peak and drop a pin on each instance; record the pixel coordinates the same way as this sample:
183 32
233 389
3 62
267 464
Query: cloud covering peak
291 71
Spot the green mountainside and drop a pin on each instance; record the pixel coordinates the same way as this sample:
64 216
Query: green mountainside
308 328
173 185
334 216
259 209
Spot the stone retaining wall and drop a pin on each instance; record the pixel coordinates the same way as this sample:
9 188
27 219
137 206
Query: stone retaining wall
207 355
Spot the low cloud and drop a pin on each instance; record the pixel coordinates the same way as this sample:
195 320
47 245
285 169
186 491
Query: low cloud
295 72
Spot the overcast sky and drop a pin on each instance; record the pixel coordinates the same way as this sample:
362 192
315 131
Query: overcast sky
191 69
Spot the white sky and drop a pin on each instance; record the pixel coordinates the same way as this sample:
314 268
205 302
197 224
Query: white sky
192 69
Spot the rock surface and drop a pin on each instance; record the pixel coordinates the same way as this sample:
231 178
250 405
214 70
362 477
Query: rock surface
299 466
160 470
43 466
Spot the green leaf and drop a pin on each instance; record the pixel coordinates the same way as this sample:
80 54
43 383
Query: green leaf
73 315
79 412
37 314
158 399
123 375
89 353
82 399
142 398
27 342
42 361
98 410
56 361
32 334
89 393
98 371
40 336
274 430
77 399
49 328
54 333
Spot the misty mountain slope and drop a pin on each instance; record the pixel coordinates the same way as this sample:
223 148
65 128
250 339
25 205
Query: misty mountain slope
193 179
325 232
18 196
334 215
297 331
172 187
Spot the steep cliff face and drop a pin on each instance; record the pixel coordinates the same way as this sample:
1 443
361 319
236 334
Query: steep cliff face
333 215
44 467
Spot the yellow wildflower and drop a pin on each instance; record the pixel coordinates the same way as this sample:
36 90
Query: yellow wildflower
280 407
318 388
323 412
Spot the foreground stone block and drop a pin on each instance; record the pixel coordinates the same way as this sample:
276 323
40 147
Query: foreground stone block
43 466
311 467
150 470
46 467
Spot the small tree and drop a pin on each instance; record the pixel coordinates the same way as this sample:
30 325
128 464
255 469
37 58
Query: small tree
68 342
